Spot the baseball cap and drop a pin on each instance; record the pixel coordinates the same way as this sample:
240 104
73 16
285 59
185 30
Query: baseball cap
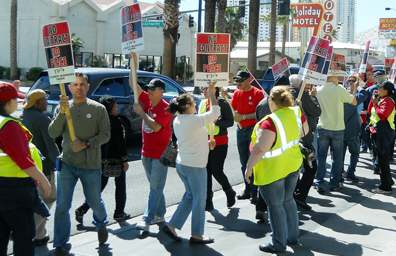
33 96
242 74
156 83
8 92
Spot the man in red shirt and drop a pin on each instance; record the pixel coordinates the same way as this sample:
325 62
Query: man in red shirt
156 133
370 78
244 101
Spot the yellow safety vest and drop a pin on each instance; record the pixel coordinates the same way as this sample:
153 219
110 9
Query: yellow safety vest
374 119
8 168
285 156
202 109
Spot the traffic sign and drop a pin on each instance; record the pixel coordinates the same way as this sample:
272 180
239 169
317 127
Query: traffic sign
153 23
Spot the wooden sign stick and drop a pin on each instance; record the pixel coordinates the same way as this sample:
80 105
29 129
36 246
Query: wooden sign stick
211 136
301 91
68 116
134 79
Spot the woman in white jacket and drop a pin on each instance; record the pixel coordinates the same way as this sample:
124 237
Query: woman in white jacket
192 157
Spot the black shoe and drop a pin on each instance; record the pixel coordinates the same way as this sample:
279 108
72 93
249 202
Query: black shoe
254 200
352 177
103 235
342 179
230 193
376 172
338 187
79 215
320 189
302 204
208 240
209 206
61 252
267 248
169 233
244 195
41 242
260 216
122 216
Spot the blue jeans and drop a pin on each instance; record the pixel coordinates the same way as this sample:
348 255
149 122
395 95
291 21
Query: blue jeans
244 138
353 145
282 211
194 199
156 174
334 140
91 183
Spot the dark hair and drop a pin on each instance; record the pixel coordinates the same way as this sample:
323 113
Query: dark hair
81 74
179 104
2 110
108 101
281 96
369 70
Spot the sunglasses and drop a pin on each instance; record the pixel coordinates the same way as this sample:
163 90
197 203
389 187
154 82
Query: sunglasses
240 80
352 81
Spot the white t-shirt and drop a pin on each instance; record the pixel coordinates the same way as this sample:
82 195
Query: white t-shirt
192 137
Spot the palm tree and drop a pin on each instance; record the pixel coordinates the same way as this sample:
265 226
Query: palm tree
221 20
233 26
210 15
254 8
272 34
281 20
77 44
13 40
171 26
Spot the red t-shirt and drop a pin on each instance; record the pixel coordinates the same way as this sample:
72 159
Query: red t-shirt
246 103
14 141
370 84
154 143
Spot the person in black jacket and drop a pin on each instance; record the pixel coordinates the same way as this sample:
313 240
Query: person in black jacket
312 111
114 149
218 155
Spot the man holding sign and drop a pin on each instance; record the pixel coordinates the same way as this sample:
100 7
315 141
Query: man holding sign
80 159
244 101
156 133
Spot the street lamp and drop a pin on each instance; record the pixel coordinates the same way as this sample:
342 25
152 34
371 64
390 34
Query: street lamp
388 9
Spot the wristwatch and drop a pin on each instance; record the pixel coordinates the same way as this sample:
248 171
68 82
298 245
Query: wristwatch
88 143
244 117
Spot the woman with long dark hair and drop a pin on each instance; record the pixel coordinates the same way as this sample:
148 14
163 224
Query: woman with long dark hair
192 157
382 131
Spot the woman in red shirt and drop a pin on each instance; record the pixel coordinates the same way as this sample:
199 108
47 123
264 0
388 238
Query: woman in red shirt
19 196
382 130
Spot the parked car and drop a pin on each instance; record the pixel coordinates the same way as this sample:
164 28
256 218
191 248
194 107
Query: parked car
380 68
268 80
114 82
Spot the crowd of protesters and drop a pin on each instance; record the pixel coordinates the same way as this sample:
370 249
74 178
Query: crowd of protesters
278 136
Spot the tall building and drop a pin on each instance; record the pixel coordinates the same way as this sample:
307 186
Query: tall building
264 28
347 20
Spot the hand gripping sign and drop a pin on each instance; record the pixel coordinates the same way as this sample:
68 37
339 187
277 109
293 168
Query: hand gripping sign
59 54
313 62
132 38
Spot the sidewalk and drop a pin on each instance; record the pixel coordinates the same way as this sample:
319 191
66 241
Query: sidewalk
351 221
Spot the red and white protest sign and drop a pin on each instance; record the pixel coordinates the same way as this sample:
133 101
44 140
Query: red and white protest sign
280 67
337 66
131 29
392 74
323 77
363 65
59 53
314 60
212 59
308 15
255 83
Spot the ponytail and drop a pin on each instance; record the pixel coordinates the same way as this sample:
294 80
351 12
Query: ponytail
179 104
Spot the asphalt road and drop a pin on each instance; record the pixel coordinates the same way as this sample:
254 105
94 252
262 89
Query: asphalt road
138 188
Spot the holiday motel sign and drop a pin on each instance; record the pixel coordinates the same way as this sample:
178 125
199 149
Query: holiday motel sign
308 15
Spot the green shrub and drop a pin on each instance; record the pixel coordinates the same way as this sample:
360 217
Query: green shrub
180 70
98 61
34 73
1 71
8 73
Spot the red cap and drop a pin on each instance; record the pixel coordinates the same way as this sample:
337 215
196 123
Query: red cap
8 92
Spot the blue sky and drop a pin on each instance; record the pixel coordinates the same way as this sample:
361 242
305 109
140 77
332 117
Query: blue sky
368 11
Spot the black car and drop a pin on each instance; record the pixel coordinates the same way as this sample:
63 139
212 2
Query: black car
114 82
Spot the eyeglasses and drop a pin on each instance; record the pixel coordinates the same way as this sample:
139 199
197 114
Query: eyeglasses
352 81
240 80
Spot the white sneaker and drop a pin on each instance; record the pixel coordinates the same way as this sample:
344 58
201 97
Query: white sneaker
157 219
144 226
